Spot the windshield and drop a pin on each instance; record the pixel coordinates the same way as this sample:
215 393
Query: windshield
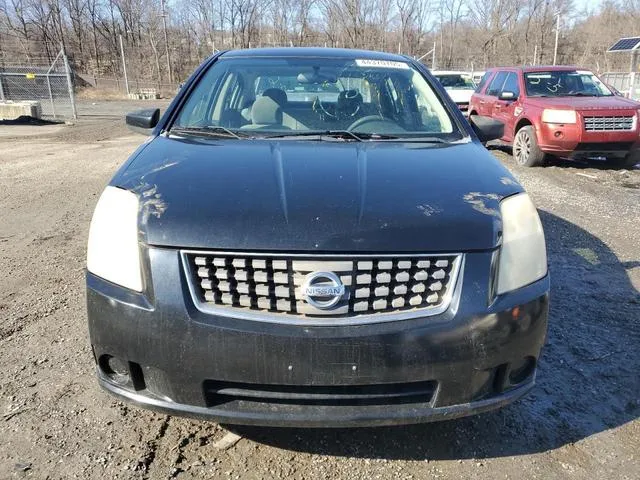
565 83
262 96
462 82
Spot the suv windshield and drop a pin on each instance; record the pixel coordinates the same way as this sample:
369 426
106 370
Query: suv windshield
289 96
565 83
462 82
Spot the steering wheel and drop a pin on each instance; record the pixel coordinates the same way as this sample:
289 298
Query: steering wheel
377 124
322 111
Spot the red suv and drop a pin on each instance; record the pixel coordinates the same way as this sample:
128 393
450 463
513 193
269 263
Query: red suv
559 111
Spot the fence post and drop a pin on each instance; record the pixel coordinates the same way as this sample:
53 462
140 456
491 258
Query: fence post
53 107
632 75
124 66
1 89
72 96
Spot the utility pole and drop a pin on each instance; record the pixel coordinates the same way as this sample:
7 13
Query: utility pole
433 57
555 49
124 66
166 41
535 55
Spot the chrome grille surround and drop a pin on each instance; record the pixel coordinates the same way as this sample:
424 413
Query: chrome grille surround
267 287
610 123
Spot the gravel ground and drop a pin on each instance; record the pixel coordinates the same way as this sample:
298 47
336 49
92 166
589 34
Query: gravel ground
99 108
581 421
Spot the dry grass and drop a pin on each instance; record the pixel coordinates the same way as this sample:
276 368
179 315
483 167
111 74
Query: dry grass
93 93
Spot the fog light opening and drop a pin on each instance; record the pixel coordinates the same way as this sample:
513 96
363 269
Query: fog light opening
116 369
522 370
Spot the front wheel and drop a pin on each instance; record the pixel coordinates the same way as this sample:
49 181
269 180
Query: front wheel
629 161
525 148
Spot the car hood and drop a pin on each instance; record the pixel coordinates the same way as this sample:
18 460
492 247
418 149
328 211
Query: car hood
460 95
318 196
586 103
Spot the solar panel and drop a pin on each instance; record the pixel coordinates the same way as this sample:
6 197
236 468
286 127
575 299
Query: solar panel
625 45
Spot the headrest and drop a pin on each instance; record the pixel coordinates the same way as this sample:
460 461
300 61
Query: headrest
266 111
277 95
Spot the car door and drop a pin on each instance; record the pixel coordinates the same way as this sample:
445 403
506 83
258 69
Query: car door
492 92
478 100
504 108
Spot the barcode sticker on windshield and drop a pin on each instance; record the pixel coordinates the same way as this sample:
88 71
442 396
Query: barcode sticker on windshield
366 62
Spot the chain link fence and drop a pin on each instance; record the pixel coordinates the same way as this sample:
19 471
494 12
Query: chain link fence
49 86
110 87
621 81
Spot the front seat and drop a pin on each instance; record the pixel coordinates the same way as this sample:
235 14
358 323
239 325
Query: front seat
266 114
277 95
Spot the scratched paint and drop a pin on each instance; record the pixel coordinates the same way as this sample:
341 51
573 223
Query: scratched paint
151 203
483 202
428 210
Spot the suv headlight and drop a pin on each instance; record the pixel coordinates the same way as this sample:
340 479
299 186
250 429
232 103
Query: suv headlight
523 255
113 252
558 116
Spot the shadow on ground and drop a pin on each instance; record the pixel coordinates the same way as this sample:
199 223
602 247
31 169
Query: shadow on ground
564 163
588 378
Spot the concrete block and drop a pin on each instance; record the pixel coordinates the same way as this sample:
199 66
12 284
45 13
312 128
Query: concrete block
11 110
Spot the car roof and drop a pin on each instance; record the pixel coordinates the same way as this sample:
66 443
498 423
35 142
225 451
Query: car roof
538 68
314 52
450 72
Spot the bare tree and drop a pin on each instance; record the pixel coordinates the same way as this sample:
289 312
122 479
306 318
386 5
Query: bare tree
469 33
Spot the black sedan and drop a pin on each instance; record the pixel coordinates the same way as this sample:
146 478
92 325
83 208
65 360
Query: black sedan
315 237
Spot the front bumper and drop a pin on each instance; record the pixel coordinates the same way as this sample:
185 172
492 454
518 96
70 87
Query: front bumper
571 141
477 356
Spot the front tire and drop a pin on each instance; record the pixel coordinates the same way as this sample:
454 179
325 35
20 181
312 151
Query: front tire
525 148
627 162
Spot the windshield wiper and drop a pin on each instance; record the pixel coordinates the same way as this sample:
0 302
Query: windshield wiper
343 134
580 94
358 136
211 131
421 139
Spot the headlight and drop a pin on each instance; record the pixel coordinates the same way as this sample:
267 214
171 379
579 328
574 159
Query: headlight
523 255
558 116
113 252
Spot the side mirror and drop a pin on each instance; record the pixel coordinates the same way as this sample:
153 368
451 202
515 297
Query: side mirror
507 96
143 121
486 128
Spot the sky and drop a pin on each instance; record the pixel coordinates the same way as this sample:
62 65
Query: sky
591 4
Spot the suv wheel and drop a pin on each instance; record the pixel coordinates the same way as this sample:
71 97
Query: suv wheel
627 162
525 148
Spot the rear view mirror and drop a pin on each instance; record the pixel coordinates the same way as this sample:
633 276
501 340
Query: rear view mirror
143 121
507 96
315 77
486 128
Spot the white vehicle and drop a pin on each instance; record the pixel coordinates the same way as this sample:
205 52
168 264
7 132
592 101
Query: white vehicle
459 85
477 76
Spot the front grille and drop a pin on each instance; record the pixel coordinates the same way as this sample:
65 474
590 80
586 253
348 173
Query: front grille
218 393
608 124
273 284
